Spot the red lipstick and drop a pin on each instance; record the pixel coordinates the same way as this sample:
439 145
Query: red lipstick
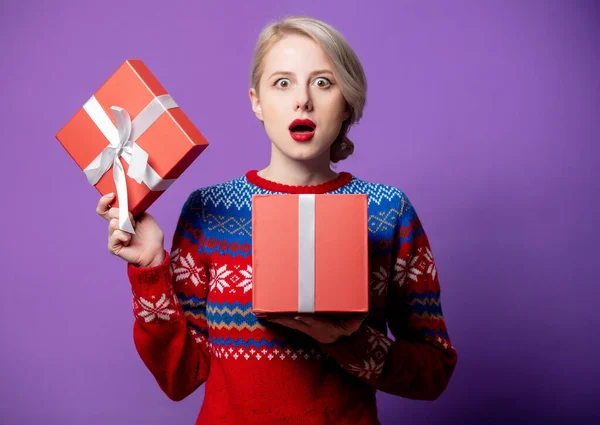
302 130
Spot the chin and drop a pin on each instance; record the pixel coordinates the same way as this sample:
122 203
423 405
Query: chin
305 152
301 151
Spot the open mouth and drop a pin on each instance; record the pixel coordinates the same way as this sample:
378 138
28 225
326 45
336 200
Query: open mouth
302 130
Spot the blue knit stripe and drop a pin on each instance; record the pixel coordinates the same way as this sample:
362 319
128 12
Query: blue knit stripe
261 343
434 333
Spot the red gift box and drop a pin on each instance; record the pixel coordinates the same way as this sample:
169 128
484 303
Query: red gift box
310 254
131 138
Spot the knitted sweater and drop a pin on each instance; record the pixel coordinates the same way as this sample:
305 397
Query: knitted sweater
194 323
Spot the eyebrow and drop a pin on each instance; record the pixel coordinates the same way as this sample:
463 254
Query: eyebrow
288 73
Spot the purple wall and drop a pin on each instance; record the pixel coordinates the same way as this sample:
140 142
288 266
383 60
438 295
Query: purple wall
487 114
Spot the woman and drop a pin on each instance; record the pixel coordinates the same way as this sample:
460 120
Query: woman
194 321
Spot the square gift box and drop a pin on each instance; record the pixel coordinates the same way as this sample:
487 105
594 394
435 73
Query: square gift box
310 254
131 138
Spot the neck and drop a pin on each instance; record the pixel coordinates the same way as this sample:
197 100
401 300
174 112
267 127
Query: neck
285 170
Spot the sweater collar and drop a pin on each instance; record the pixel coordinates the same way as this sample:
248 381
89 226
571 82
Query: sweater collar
342 179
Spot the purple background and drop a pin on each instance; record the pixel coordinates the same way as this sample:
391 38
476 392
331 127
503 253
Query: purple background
485 113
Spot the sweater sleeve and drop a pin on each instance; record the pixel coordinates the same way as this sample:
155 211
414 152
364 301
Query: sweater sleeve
169 303
419 361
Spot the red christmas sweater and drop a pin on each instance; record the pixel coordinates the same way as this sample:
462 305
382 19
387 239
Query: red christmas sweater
194 323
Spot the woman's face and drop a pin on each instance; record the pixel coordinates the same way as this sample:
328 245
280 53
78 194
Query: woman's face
298 83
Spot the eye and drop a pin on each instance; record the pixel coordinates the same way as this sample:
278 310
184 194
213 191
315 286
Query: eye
282 83
322 82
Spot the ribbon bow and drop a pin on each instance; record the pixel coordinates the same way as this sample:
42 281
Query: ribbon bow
121 144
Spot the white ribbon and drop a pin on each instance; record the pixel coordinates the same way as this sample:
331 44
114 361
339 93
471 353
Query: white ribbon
121 143
306 253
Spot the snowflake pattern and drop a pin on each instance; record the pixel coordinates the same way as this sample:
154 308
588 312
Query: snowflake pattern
218 278
174 259
431 269
406 270
246 282
379 281
378 340
149 311
184 268
368 369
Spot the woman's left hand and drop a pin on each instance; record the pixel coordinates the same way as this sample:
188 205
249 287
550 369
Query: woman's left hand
322 329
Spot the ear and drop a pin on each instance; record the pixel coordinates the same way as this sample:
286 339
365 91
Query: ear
346 113
255 104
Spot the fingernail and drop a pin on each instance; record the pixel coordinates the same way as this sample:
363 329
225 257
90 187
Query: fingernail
110 195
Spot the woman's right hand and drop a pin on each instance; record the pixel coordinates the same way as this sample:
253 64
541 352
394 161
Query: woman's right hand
145 248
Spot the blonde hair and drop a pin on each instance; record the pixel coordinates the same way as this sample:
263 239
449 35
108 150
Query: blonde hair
347 69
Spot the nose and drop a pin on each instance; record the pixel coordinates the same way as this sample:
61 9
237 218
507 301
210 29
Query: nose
302 100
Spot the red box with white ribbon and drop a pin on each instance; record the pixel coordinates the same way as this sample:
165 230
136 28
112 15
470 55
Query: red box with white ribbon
131 138
310 254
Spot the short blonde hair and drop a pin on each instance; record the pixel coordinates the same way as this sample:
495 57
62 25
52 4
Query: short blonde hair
347 68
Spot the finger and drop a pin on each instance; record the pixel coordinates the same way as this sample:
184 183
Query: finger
290 323
275 320
352 325
113 225
123 237
347 323
304 320
353 322
116 241
103 204
299 324
114 213
315 320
